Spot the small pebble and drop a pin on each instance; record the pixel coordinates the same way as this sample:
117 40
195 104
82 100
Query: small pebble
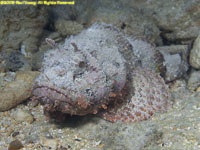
194 80
62 148
15 145
77 139
23 116
198 89
14 134
50 143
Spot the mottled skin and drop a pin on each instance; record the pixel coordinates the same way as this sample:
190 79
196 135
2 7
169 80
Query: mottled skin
150 95
101 71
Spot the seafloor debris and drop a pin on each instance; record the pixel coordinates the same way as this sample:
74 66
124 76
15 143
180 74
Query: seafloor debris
102 70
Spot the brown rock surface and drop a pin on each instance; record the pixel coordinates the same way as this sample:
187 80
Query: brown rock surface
195 54
16 91
21 26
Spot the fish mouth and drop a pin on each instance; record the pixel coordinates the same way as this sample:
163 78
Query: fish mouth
54 99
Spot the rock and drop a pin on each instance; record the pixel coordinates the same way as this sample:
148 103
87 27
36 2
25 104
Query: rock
15 145
66 28
175 60
15 133
17 90
23 116
175 49
178 19
62 148
131 22
2 63
49 143
15 61
173 65
22 26
55 36
37 58
195 54
198 89
194 80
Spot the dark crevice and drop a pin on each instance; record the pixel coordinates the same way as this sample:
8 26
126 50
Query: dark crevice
123 26
72 121
73 17
163 37
50 25
167 41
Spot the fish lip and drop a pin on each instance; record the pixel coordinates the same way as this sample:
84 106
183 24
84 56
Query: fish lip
57 90
66 105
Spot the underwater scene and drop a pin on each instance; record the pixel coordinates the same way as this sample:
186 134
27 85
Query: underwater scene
100 75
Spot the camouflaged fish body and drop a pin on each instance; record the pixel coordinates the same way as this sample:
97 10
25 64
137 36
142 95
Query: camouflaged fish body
102 71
